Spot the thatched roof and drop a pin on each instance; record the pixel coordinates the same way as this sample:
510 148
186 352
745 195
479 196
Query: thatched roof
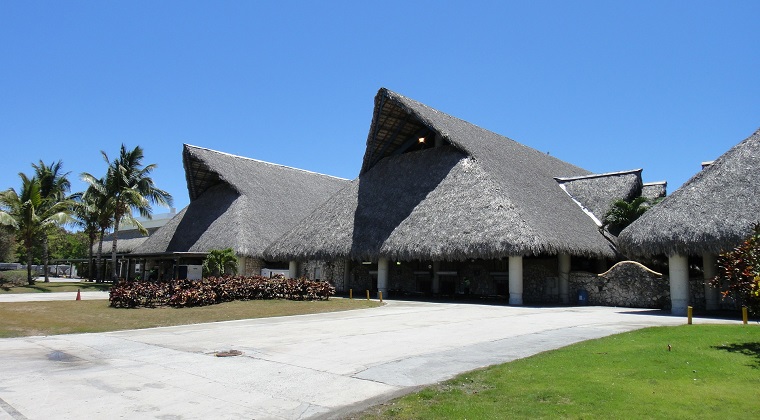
655 190
711 212
239 203
128 241
479 195
597 192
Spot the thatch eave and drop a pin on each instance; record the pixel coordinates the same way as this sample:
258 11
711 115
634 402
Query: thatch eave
711 213
434 204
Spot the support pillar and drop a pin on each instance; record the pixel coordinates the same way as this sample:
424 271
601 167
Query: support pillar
710 269
679 284
516 280
436 277
564 278
346 275
293 269
382 276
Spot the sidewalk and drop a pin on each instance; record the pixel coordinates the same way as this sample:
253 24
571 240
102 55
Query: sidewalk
46 297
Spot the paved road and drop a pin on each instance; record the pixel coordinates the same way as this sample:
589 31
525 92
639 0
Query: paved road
309 366
40 297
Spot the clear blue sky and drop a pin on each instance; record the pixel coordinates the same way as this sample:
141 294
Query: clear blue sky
606 85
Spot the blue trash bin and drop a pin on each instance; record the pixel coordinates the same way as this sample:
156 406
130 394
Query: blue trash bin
582 297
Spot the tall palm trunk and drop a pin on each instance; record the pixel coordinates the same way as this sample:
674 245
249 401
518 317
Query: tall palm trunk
100 257
29 278
114 274
45 256
89 264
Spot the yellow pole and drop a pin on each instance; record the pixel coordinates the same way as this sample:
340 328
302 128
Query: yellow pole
689 311
380 295
367 294
744 315
350 293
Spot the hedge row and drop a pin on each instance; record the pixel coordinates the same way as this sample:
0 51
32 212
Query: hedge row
213 290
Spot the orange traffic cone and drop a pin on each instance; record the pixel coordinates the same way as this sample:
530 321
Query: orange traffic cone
79 295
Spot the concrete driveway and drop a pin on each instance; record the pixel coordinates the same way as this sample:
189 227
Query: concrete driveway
322 365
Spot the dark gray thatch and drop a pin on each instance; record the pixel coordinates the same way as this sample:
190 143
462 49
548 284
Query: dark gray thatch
597 192
129 241
239 203
711 212
655 190
481 195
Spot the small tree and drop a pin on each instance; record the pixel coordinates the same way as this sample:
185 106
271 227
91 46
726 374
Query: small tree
622 213
739 271
220 261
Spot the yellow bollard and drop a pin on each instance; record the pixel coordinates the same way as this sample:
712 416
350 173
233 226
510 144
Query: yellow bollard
350 293
689 310
380 296
367 294
744 315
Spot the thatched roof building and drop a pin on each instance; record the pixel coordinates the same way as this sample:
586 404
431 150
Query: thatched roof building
129 240
238 203
434 187
655 190
710 213
596 193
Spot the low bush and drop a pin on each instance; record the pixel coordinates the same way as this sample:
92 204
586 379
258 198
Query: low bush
14 278
213 290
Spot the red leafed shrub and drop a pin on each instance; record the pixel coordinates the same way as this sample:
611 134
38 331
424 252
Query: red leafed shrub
213 290
739 271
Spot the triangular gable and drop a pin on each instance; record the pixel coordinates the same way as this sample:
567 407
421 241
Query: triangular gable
532 215
597 192
240 203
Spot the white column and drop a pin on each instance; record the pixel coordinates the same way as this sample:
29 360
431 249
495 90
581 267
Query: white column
515 280
436 277
709 267
293 269
564 278
382 276
679 284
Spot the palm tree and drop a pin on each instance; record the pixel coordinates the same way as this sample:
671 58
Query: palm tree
622 213
54 185
129 189
87 214
97 208
220 261
31 215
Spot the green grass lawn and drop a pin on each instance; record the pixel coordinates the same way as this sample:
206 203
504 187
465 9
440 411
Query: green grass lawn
65 317
712 371
41 287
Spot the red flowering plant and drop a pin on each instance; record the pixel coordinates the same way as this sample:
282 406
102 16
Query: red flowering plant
739 272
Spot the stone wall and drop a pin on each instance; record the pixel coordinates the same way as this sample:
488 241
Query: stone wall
540 280
249 266
329 271
627 284
360 278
